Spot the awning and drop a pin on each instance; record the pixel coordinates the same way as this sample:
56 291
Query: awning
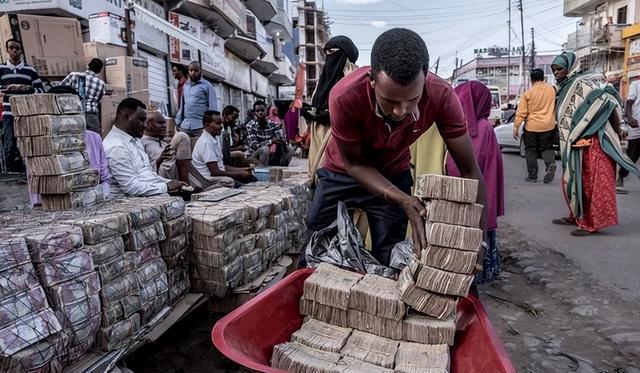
246 48
160 24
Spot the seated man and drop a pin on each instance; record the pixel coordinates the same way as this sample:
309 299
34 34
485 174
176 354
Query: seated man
129 166
266 143
233 146
169 160
207 154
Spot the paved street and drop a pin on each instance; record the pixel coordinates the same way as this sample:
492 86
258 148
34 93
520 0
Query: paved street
612 258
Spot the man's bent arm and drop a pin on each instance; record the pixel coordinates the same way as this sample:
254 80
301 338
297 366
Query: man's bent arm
372 180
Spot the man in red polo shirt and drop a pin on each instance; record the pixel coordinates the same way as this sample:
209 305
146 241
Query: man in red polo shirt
377 112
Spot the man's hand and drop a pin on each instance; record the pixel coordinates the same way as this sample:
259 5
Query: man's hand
166 155
175 185
482 253
416 213
632 123
276 140
516 134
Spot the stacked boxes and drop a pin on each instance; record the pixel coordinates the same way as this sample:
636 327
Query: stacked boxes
445 270
66 271
31 337
50 133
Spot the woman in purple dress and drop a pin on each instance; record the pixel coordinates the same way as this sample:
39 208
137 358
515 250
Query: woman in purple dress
475 98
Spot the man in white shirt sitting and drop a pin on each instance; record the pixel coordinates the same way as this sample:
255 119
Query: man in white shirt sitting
131 172
207 154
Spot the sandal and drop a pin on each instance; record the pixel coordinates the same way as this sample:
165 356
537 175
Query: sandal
564 221
582 233
621 190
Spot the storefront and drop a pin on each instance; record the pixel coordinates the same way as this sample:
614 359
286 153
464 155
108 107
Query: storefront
631 35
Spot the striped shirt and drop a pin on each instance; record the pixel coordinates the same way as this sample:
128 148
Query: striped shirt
89 87
18 74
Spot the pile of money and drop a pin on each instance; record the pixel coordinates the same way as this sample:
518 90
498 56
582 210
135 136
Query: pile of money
324 313
30 333
59 164
322 336
296 357
378 296
46 104
331 286
434 305
259 225
321 347
422 329
50 132
416 357
350 365
119 334
53 125
372 349
448 188
66 271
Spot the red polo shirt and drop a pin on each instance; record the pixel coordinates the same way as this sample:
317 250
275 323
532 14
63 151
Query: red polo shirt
354 121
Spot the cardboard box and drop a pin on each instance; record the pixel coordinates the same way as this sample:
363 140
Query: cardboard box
131 73
109 28
109 107
53 45
103 51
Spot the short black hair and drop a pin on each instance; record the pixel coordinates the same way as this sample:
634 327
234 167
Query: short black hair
208 116
258 103
229 109
194 63
96 65
181 68
537 75
401 54
129 104
12 40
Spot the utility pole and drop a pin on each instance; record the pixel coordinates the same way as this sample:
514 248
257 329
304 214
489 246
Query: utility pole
533 50
523 62
128 33
509 56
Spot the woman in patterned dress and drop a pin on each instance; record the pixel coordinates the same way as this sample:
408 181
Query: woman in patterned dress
588 115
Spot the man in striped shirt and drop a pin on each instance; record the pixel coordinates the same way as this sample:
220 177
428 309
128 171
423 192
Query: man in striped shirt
91 89
16 78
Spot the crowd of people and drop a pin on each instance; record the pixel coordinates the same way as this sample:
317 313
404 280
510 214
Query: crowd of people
362 122
208 148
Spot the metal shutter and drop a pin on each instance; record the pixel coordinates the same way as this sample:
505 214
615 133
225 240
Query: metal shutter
158 93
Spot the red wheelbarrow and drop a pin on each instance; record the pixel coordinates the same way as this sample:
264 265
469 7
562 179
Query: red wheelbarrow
247 335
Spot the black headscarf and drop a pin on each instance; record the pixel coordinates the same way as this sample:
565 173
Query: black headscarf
333 69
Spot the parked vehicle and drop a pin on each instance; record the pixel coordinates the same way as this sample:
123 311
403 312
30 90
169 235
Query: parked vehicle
504 134
496 105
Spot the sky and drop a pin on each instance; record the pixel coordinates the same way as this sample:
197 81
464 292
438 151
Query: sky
450 26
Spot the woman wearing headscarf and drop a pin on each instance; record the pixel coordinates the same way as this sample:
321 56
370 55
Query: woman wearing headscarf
475 98
588 115
339 62
273 115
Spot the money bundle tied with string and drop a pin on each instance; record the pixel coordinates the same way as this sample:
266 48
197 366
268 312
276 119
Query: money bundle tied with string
67 272
31 335
50 132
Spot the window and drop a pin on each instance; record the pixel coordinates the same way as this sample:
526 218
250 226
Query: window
622 15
